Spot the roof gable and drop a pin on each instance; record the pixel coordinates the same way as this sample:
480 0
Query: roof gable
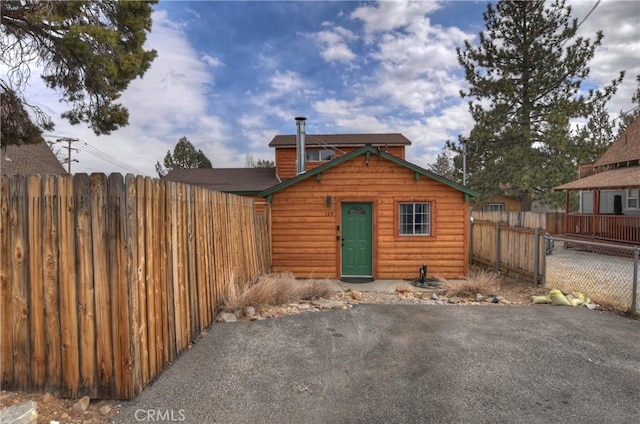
36 158
368 150
229 180
626 148
391 139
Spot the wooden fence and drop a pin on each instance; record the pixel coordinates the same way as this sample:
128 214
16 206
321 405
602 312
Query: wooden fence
509 249
104 281
552 222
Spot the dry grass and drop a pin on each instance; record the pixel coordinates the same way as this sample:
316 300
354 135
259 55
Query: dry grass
274 289
481 282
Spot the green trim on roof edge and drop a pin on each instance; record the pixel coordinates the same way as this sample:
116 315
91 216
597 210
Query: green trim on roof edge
369 150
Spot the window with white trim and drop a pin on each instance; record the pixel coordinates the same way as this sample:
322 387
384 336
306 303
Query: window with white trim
415 219
493 207
632 199
319 155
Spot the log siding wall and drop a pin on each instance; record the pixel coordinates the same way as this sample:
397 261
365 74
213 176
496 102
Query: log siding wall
286 159
305 238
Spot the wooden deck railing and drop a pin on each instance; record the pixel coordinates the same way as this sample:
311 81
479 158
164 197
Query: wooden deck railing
613 228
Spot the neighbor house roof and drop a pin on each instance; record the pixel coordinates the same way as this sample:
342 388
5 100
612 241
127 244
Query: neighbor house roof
613 179
229 180
36 158
625 148
369 150
619 166
392 139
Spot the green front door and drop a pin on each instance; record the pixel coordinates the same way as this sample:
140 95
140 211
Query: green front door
357 249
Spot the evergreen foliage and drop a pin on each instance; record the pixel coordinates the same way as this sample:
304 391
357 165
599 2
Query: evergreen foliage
184 156
89 52
525 85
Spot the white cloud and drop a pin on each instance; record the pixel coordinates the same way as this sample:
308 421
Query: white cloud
390 15
333 44
214 62
414 62
169 102
620 49
286 82
350 116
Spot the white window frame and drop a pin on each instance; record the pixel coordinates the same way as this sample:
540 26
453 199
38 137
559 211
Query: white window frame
414 221
319 155
490 207
633 201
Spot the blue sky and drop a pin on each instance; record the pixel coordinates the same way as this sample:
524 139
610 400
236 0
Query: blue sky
231 75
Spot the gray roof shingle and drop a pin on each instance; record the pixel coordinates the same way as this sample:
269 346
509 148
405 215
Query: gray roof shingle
625 148
391 139
230 180
28 159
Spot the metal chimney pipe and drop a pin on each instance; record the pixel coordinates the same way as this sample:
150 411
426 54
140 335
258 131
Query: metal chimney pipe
301 165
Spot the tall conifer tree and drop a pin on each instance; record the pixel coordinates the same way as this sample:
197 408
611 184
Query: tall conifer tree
525 85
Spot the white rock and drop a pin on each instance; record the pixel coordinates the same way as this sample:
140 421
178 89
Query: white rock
82 404
226 317
22 413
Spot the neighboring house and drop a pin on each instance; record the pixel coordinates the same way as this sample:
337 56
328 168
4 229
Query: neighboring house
36 158
609 188
504 203
242 181
365 214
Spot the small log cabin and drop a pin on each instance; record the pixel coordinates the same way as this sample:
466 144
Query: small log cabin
350 206
364 212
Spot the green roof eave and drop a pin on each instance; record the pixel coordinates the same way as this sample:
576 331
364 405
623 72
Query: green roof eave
243 192
364 151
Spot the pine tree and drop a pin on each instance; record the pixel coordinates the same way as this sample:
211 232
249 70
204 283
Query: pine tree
89 52
525 80
627 117
444 165
184 156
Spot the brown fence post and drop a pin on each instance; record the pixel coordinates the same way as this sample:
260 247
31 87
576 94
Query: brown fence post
86 289
536 254
634 293
36 287
6 312
497 247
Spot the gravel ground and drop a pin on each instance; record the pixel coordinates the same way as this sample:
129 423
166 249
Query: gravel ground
606 279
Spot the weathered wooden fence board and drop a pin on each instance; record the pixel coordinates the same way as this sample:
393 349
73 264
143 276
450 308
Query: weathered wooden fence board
104 281
513 249
552 222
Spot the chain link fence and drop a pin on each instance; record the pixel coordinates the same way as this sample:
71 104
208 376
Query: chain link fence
608 274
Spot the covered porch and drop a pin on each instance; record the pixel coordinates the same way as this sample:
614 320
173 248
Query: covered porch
609 215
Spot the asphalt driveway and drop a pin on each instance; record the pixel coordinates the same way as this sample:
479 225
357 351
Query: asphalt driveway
406 364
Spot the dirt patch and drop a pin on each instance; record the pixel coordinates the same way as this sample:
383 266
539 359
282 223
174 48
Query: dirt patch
51 409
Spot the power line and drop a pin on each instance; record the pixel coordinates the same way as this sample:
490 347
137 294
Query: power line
583 19
588 14
94 151
322 143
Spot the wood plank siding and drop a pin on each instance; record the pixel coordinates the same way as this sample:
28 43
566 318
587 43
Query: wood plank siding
286 158
306 235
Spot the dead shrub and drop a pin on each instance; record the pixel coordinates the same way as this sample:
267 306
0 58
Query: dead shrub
274 289
482 282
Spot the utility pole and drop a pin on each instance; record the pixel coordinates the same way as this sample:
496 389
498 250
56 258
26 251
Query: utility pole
464 163
68 140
